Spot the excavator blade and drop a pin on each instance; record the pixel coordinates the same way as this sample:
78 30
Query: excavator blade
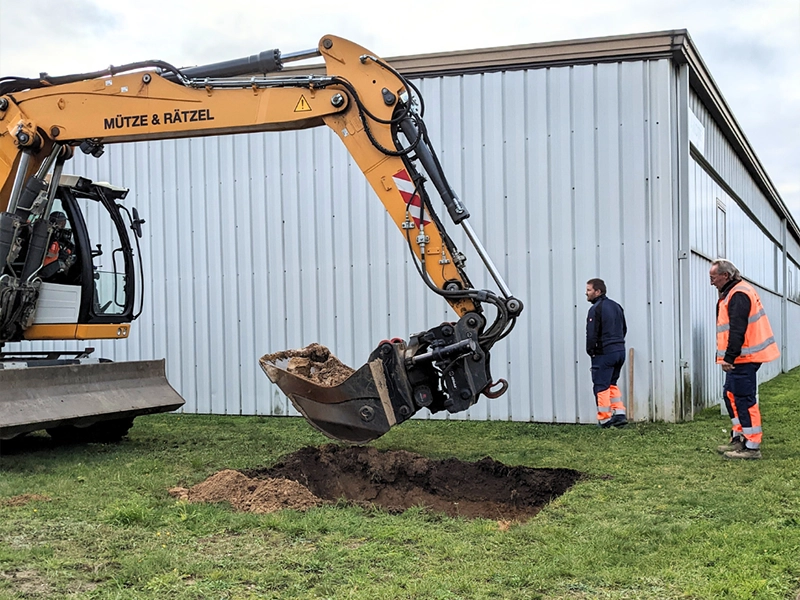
346 405
82 395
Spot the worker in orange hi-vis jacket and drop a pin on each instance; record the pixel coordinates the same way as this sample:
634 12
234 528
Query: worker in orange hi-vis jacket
744 342
605 343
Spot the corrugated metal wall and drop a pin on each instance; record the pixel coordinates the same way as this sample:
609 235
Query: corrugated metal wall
264 242
730 217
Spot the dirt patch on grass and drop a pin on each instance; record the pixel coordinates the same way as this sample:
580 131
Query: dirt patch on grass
23 499
28 583
395 480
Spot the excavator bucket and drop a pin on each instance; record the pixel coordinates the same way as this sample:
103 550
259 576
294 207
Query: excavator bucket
82 396
441 369
353 406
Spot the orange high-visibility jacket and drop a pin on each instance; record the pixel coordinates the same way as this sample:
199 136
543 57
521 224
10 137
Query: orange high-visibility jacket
52 254
759 344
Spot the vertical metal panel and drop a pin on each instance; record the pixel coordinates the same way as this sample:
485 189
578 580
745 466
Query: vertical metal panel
585 199
513 261
792 340
758 257
537 324
707 377
270 241
661 250
793 248
772 307
562 244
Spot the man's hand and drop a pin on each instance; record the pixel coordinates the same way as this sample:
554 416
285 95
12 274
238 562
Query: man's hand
727 367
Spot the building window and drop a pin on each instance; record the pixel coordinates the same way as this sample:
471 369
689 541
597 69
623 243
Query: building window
721 219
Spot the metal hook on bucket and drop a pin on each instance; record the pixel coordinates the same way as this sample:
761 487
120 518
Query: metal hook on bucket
490 393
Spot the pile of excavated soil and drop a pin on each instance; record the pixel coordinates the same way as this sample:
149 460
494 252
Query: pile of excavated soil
314 362
249 495
395 480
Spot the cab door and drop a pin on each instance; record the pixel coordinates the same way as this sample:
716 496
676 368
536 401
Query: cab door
106 274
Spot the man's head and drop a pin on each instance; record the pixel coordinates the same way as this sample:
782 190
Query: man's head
58 219
594 289
722 271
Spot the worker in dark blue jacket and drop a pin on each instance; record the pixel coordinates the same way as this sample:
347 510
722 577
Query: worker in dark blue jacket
605 343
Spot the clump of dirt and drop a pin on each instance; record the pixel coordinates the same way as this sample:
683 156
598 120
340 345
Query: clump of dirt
249 495
397 480
314 363
23 499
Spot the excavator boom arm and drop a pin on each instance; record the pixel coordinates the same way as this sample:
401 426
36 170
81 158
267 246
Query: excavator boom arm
377 115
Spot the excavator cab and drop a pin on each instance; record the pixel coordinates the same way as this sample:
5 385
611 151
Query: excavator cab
92 285
84 288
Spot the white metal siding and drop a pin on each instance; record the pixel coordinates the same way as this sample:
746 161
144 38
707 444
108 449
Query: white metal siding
270 241
794 249
751 238
722 157
792 340
707 377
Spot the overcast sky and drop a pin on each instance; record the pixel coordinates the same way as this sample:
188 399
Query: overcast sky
751 47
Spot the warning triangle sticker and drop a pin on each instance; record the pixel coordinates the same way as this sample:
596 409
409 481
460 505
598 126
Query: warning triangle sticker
302 105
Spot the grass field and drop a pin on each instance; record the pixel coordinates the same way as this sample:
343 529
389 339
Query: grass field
661 516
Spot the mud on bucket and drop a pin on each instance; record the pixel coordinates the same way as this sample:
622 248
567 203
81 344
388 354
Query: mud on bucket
349 405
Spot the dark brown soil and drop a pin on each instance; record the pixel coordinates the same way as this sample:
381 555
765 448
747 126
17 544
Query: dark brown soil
314 362
397 480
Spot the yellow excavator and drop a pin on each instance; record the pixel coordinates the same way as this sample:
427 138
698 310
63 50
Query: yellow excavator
54 287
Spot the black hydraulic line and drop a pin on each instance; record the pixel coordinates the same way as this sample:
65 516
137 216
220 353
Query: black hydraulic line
365 115
16 84
458 212
499 328
37 248
406 83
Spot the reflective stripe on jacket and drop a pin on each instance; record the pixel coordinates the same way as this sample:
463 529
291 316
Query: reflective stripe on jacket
759 343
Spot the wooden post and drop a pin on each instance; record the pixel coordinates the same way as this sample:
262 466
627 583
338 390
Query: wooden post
630 384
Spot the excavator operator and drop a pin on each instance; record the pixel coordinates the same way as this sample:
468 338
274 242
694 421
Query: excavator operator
61 251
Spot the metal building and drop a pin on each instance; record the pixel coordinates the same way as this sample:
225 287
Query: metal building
611 157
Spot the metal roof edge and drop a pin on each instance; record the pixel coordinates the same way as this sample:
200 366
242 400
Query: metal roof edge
636 46
674 44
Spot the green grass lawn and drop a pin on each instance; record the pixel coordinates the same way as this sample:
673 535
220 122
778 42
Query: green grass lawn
663 516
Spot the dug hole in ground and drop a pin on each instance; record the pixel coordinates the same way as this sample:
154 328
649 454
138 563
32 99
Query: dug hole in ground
394 480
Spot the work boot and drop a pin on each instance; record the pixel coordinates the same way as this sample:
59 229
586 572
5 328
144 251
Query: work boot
735 445
615 421
745 453
618 421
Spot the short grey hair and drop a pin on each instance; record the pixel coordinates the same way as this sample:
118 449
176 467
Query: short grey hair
726 266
